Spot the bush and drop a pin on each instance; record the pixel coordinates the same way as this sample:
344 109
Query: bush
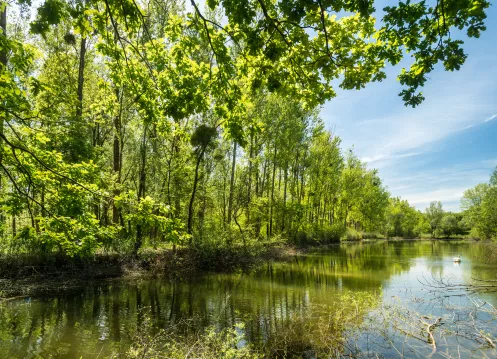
372 235
352 235
223 255
425 236
302 239
316 236
79 237
332 234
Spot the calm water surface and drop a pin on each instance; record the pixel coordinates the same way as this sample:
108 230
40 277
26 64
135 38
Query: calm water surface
101 318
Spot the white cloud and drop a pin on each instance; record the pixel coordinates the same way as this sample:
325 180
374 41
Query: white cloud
379 158
411 130
494 116
491 163
444 195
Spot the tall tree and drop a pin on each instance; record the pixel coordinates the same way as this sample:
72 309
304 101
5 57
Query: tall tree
434 213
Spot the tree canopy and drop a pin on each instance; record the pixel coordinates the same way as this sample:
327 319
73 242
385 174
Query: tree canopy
124 122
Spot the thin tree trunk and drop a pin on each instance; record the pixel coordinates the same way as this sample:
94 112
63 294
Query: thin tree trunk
268 191
332 215
3 27
259 189
295 184
169 170
284 199
177 182
117 159
302 182
143 154
345 218
204 199
3 62
272 194
141 188
81 77
232 183
264 177
324 212
224 201
194 190
249 186
43 211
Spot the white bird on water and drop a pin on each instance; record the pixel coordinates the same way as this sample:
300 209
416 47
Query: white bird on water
457 259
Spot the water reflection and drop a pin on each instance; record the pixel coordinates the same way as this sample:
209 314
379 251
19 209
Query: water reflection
99 319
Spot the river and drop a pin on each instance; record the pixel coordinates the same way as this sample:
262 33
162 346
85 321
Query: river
391 281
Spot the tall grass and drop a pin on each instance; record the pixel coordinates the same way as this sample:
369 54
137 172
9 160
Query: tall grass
318 331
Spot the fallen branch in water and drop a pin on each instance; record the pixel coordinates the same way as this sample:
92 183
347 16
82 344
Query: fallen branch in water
446 288
468 323
487 339
429 330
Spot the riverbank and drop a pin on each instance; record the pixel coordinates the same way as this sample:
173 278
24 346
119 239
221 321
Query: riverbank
25 275
31 275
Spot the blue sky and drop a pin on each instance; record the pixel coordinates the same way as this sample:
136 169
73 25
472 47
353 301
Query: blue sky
439 149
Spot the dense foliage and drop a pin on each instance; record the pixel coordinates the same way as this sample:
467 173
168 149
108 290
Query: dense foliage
126 123
480 208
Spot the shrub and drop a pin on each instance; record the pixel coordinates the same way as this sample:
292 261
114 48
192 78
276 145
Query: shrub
372 235
352 235
72 237
319 235
219 254
425 235
332 233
